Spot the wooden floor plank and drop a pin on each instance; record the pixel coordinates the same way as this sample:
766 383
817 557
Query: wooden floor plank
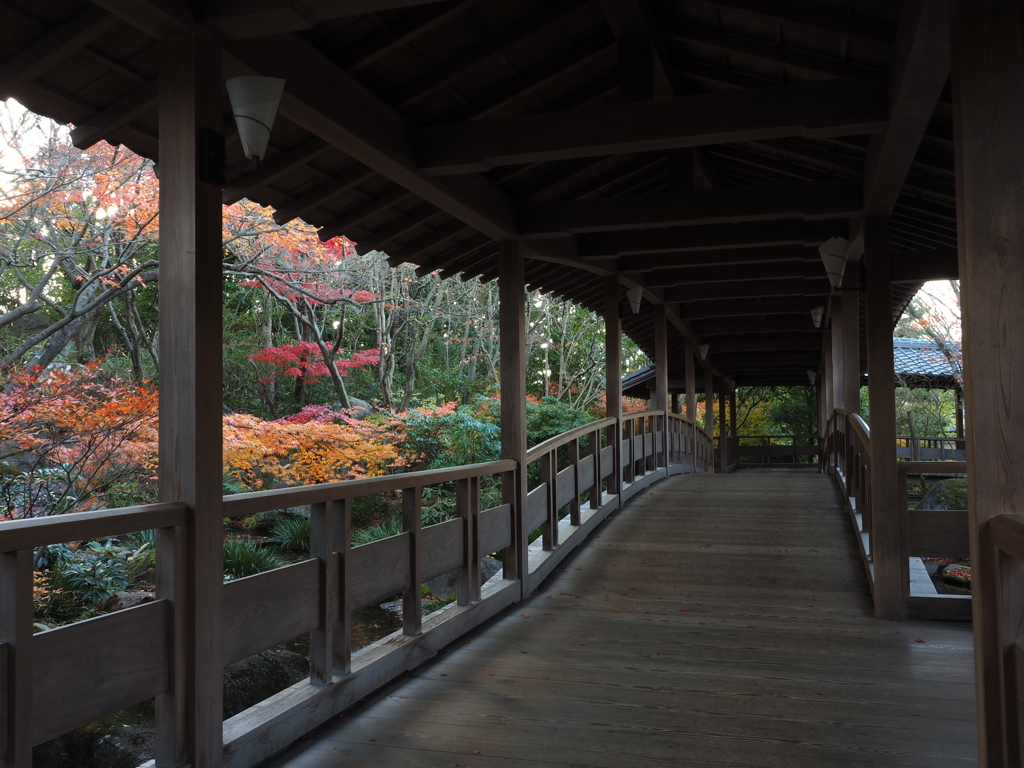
716 621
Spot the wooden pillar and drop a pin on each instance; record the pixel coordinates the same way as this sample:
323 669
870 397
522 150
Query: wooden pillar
732 411
838 358
958 395
988 122
827 374
512 321
190 562
613 374
723 430
691 399
885 513
709 411
851 344
661 383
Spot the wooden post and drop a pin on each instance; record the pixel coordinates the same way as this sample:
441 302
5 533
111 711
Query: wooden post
723 431
190 714
342 639
709 414
324 541
988 121
613 374
838 358
16 631
691 399
675 402
959 413
885 514
732 418
828 374
660 448
412 605
512 297
467 502
851 345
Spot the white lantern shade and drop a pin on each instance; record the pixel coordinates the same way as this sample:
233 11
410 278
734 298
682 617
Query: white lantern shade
813 376
703 350
254 103
816 314
833 254
635 295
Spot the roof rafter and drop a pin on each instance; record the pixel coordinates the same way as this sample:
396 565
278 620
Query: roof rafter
833 108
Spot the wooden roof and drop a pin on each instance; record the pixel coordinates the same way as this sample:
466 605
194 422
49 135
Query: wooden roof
700 148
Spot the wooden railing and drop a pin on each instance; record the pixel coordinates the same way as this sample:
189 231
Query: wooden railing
922 532
931 448
62 679
772 451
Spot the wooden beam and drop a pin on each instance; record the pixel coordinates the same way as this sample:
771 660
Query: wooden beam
709 258
402 32
512 325
440 235
52 48
919 74
360 211
236 19
403 224
988 120
428 84
803 325
805 343
324 193
940 263
748 360
808 20
635 25
120 113
885 515
807 65
274 168
791 270
832 200
470 245
813 110
333 106
190 715
716 236
698 311
753 289
157 18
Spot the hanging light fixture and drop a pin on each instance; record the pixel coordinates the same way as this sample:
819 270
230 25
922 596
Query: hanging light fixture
833 254
816 314
813 376
254 103
703 350
635 295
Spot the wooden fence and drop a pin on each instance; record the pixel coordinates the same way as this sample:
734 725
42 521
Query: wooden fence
55 681
922 532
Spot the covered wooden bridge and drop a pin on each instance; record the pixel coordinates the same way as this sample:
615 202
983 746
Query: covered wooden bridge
684 156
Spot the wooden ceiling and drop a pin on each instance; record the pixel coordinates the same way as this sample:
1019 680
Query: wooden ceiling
700 148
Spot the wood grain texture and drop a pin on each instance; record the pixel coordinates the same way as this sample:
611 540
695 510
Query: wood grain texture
97 667
441 548
378 570
79 526
938 533
495 529
675 644
269 608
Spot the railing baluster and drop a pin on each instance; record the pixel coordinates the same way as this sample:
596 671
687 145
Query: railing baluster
322 546
16 631
549 475
172 585
595 452
467 502
342 640
412 606
574 461
510 559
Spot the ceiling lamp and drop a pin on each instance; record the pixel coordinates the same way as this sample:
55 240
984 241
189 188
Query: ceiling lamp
816 314
254 103
634 295
833 254
703 350
813 376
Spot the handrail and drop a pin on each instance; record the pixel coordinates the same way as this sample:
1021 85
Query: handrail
861 429
245 504
929 467
679 417
567 437
35 532
1007 532
642 414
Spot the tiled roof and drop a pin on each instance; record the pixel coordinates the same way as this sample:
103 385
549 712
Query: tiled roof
922 358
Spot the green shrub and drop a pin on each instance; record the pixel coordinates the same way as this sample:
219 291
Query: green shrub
90 579
292 532
246 557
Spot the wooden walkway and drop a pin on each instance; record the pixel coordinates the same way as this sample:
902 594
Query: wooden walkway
715 621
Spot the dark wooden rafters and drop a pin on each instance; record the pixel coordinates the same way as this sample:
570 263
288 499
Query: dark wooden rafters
584 182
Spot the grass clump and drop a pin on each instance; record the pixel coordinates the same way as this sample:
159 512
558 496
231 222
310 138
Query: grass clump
247 557
292 532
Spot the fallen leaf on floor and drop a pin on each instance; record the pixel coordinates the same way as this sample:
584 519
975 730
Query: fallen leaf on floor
525 615
403 697
919 640
372 739
476 751
684 610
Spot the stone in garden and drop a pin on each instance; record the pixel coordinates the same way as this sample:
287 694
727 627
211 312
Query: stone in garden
121 600
446 586
945 494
